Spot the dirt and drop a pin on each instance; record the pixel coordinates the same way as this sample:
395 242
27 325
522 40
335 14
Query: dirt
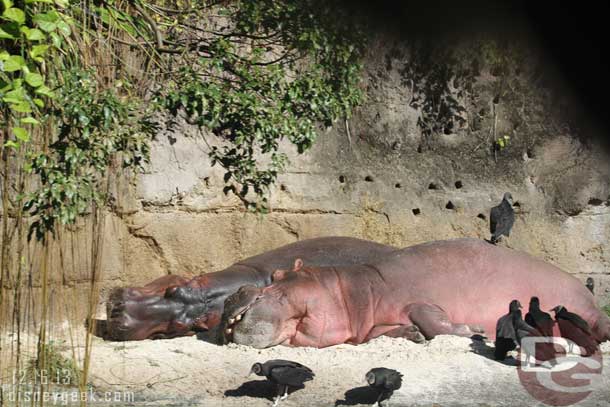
447 371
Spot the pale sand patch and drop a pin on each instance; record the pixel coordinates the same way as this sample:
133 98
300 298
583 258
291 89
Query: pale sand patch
186 371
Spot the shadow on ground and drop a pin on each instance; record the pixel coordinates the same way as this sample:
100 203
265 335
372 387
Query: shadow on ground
480 347
359 395
263 389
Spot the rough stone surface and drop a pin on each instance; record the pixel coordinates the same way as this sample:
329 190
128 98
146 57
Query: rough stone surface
384 180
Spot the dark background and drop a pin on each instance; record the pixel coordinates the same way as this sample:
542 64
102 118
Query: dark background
575 38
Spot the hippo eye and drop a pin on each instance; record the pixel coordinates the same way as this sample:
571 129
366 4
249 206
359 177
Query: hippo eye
171 292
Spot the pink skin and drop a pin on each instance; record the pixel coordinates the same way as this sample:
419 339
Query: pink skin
444 287
174 306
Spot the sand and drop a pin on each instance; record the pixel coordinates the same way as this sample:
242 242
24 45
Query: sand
447 371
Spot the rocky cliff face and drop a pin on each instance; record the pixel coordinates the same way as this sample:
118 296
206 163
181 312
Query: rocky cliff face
444 132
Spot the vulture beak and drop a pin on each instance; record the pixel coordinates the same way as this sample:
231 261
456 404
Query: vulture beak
251 371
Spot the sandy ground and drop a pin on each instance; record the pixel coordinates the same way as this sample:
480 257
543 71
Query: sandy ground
447 371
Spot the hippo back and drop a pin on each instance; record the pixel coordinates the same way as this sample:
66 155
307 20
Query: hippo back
322 252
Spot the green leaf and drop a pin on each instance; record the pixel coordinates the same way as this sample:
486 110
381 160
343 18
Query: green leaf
11 144
38 50
14 63
7 4
39 102
64 27
9 31
35 35
5 35
21 134
56 39
4 55
45 91
34 79
46 22
23 107
14 96
29 120
14 14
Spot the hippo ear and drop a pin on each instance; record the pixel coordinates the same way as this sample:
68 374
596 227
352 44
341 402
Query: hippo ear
278 275
298 265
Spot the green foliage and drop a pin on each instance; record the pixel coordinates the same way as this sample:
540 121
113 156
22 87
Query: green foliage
88 123
52 367
501 143
251 72
94 126
606 309
299 70
22 83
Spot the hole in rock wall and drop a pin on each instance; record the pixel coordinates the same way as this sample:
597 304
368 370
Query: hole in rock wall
458 184
432 185
416 211
342 179
368 178
481 216
450 205
595 201
397 185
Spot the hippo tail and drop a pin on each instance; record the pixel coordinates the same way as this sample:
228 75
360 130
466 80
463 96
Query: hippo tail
601 329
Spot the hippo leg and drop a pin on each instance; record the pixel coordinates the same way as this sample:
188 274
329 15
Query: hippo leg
410 332
432 320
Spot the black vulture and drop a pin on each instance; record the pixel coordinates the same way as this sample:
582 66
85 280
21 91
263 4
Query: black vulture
384 380
576 329
539 319
501 218
510 329
544 324
285 374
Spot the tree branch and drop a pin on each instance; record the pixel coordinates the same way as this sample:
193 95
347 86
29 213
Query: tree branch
151 23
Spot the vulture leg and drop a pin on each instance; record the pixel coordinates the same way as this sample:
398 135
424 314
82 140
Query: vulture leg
285 396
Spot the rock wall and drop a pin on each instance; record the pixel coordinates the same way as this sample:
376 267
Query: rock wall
383 175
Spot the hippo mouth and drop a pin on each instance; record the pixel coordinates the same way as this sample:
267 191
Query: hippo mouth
236 307
134 316
258 317
232 322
